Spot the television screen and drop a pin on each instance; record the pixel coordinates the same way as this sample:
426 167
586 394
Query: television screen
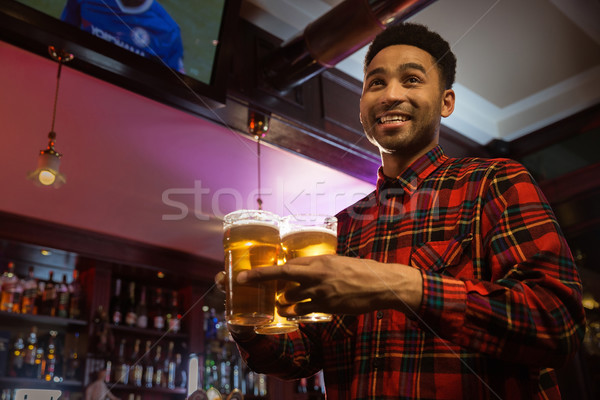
162 48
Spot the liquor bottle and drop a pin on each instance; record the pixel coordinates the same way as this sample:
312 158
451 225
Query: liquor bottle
148 365
121 367
75 296
30 353
116 309
159 378
30 291
135 366
62 298
131 316
158 321
181 377
51 353
169 367
11 290
173 314
73 362
49 296
142 310
38 371
102 339
38 307
226 362
17 362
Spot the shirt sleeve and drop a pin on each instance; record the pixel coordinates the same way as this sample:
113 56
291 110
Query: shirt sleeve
526 305
289 356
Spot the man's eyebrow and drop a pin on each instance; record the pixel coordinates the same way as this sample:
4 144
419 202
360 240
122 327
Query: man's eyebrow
400 68
375 71
416 66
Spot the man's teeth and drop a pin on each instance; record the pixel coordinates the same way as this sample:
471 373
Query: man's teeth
393 118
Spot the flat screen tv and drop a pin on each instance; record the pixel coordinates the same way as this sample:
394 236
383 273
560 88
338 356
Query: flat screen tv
175 51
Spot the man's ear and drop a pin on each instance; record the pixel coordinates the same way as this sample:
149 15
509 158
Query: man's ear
448 98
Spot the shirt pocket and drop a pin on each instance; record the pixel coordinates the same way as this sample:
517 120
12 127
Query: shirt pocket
445 257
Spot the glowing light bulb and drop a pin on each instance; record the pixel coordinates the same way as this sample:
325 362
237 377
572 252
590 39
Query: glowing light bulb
46 177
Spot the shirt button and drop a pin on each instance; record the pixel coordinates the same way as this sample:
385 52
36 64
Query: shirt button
379 314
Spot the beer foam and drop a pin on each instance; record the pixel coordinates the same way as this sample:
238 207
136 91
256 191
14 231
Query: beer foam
228 225
316 229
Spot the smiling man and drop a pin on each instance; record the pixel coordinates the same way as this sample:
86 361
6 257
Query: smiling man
452 280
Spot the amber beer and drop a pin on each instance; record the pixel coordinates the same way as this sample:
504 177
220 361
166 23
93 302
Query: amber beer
309 235
251 240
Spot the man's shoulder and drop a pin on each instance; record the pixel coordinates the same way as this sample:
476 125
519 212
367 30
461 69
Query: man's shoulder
473 164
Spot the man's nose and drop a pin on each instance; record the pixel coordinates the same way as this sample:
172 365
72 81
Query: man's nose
394 93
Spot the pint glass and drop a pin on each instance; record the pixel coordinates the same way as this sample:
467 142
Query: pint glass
308 235
279 325
250 240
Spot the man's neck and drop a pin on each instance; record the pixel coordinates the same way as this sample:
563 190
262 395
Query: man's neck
395 164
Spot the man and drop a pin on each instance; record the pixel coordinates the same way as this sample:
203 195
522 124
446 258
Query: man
143 27
452 278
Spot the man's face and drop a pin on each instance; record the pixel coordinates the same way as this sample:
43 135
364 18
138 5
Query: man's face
402 100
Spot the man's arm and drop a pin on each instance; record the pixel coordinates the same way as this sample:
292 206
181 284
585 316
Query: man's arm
526 307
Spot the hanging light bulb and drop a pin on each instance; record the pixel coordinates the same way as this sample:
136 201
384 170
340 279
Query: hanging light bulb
47 172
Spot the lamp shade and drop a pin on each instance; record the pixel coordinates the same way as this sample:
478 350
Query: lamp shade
47 172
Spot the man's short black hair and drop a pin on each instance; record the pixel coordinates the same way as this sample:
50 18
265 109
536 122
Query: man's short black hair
419 36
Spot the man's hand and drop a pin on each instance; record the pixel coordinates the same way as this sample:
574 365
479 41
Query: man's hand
342 285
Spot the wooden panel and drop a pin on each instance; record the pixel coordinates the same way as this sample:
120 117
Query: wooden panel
104 247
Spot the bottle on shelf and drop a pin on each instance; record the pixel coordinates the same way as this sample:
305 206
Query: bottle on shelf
62 298
29 360
136 370
102 340
148 365
73 362
17 362
75 296
52 358
142 310
116 307
131 315
181 378
38 306
158 320
49 296
157 364
169 367
40 364
121 367
30 292
173 314
12 290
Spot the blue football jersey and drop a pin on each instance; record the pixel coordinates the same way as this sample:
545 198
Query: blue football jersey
147 30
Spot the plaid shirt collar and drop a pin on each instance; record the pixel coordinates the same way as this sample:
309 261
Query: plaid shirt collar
411 178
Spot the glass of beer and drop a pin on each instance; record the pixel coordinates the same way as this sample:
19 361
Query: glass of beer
279 325
308 235
250 240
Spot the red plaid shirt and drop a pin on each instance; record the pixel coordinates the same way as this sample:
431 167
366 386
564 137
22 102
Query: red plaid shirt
501 294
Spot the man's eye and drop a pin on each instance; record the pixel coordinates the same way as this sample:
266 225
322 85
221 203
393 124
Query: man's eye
376 82
413 79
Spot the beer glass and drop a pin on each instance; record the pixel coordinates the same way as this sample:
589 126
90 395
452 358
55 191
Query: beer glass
250 240
308 235
280 324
